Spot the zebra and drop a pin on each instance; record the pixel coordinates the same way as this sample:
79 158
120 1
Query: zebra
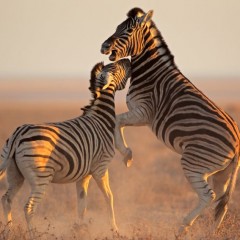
70 151
179 114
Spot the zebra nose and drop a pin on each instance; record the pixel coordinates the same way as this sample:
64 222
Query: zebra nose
106 44
105 47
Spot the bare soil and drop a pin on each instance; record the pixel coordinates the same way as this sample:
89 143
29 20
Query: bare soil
151 198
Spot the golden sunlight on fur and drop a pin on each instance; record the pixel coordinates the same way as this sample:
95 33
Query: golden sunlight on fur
151 197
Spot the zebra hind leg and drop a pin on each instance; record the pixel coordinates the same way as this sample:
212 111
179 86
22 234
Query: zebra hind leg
36 195
15 181
206 195
221 181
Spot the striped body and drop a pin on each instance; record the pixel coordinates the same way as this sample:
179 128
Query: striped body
177 112
69 151
188 119
65 151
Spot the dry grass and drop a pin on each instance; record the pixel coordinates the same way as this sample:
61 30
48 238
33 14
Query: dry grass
151 198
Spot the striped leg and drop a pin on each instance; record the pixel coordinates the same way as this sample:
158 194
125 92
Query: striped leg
36 195
198 180
38 182
15 181
82 187
220 184
131 118
104 186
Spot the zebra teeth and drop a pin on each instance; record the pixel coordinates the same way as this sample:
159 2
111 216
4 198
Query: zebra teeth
106 52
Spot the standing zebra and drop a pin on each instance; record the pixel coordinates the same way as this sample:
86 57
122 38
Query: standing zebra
178 113
69 151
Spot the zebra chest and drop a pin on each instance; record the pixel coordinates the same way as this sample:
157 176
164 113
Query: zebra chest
140 93
131 102
138 100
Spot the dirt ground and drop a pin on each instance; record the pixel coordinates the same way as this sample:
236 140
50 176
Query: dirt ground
151 198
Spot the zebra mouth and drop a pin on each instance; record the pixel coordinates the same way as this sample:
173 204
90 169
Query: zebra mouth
113 55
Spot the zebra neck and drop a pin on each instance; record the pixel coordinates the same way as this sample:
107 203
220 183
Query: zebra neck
155 57
103 108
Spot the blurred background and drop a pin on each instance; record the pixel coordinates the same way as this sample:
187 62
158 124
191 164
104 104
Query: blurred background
47 48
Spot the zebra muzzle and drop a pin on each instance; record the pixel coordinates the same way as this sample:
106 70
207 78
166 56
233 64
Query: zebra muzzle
106 48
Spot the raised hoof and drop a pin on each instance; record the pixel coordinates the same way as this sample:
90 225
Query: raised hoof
128 159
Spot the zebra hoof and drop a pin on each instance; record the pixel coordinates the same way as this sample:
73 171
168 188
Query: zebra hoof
82 230
115 230
181 232
128 159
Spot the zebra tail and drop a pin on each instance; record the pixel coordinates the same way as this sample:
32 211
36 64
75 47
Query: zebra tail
223 201
3 167
7 157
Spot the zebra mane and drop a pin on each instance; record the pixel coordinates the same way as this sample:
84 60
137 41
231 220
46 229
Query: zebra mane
135 12
95 71
138 12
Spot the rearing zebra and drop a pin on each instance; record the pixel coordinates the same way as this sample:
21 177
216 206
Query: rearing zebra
69 151
178 113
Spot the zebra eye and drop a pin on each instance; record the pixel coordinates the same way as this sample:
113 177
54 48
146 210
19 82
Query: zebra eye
130 30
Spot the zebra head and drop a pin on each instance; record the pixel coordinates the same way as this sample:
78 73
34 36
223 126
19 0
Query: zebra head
128 39
115 74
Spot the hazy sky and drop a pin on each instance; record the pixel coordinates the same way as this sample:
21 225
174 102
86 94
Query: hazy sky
63 37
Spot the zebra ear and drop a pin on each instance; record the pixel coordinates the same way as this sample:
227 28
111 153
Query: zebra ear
96 70
146 17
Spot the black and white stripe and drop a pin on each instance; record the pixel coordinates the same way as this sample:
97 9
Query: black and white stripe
178 113
69 151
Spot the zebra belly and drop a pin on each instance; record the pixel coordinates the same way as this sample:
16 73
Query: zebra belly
72 173
177 147
61 178
40 162
200 147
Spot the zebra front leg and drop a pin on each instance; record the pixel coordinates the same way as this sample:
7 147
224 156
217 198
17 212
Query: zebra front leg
103 183
131 118
82 187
